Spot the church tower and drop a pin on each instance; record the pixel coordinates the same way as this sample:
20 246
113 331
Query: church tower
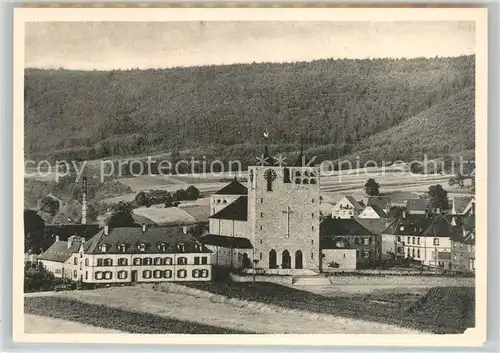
283 211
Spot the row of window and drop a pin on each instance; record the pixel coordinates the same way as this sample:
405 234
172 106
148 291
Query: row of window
411 240
147 261
363 241
148 274
142 247
365 254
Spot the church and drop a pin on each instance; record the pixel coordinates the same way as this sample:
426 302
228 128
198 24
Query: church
277 211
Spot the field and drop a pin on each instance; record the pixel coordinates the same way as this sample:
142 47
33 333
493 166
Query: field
252 308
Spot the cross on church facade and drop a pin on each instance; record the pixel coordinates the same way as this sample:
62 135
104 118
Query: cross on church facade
288 212
270 176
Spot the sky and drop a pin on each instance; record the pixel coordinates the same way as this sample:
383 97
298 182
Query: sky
127 45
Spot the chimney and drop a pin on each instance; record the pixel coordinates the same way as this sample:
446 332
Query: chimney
403 214
106 229
57 238
184 230
84 201
144 227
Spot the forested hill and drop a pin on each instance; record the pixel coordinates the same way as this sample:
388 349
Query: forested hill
334 106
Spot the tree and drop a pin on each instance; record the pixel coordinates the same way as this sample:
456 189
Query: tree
372 187
192 193
50 205
33 232
141 199
121 216
438 197
395 212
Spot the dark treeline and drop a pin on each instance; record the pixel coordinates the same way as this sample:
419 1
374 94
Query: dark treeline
331 106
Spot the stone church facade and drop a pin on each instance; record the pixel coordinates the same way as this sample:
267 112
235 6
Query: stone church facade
282 216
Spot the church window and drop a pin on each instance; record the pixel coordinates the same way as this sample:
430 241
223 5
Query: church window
312 200
413 252
75 261
270 176
418 253
261 241
286 176
297 181
261 214
75 273
297 174
86 274
218 201
305 181
418 240
306 173
224 201
312 241
312 256
86 262
312 215
260 227
413 240
312 227
260 256
313 181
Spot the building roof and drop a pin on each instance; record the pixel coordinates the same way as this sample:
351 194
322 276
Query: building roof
236 210
233 188
378 210
460 203
469 223
440 227
342 226
383 202
444 255
225 241
375 225
411 224
417 204
59 251
152 238
355 204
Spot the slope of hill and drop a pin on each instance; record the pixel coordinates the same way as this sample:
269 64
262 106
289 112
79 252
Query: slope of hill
446 128
333 106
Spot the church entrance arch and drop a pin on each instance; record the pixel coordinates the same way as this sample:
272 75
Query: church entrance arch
272 259
286 260
298 259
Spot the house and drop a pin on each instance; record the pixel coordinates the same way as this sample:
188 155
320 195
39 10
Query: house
130 254
375 225
418 206
347 233
228 251
464 247
373 212
347 207
419 237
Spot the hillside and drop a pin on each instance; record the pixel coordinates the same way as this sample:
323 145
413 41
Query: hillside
334 106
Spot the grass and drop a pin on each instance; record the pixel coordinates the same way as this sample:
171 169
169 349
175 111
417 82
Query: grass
116 319
387 307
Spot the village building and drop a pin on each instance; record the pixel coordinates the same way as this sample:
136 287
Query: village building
348 234
347 207
129 255
463 250
423 238
373 212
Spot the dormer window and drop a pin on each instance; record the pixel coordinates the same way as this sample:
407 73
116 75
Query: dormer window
162 247
122 247
142 247
104 248
180 247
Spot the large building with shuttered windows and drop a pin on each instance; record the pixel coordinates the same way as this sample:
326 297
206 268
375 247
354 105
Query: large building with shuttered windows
131 254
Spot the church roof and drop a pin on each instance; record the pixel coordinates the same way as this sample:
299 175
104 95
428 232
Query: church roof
236 210
226 242
233 188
